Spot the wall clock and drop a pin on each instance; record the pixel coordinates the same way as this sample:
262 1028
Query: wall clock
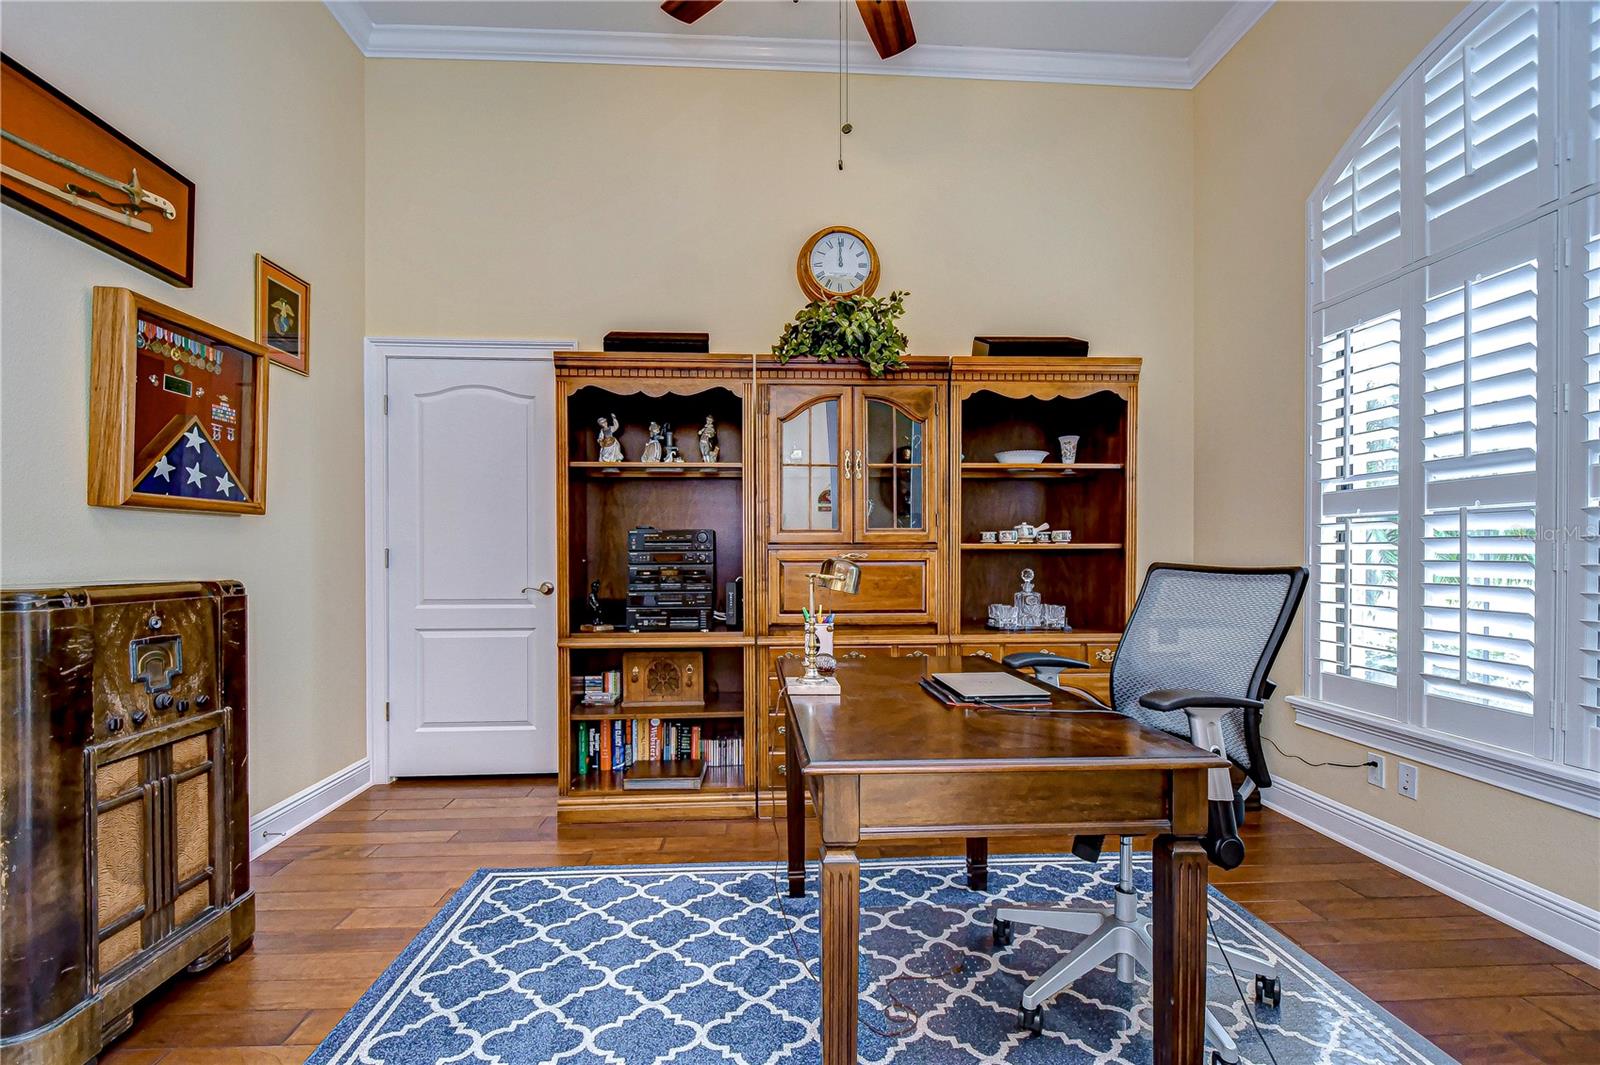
838 261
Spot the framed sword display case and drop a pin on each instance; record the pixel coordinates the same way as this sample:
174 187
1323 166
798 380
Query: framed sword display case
66 167
177 410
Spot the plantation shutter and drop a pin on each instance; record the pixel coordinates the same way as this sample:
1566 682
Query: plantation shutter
1360 216
1582 724
1581 90
1480 408
1484 133
1357 461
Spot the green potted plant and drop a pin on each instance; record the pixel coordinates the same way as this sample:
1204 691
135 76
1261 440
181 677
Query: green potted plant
848 327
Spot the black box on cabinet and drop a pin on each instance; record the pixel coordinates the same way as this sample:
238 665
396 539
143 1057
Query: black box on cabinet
1037 347
675 343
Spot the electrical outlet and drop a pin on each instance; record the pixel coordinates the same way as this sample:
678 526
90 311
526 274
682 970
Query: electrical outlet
1375 773
1407 782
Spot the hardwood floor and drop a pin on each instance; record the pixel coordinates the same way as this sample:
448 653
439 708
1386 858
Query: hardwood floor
338 901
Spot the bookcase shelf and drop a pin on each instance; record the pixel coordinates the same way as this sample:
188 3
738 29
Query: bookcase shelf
1041 546
1037 469
656 470
717 779
622 639
727 706
1092 576
598 503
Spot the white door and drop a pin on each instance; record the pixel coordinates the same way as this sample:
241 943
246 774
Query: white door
471 531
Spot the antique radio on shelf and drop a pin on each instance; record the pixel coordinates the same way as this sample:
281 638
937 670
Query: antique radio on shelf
125 807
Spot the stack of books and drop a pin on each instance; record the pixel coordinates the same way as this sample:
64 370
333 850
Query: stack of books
604 689
620 744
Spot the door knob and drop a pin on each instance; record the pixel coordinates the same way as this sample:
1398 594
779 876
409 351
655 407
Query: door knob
545 588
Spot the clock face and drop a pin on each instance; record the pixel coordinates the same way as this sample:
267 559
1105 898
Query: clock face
838 262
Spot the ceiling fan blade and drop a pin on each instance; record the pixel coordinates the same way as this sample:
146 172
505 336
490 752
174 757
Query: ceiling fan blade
688 11
888 24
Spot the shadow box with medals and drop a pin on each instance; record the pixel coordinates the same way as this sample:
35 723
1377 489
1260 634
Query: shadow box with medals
177 410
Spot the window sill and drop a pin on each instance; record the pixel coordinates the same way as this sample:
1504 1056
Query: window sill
1560 785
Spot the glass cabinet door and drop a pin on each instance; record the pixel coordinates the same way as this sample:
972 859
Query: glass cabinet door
894 466
810 500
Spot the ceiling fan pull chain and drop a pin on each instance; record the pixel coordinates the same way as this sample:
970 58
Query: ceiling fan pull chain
841 84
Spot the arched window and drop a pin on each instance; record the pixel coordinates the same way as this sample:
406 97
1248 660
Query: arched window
1453 408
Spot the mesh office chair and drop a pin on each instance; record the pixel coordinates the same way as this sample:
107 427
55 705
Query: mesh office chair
1193 662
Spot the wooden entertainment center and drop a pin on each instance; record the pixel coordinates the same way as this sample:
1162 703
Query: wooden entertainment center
818 460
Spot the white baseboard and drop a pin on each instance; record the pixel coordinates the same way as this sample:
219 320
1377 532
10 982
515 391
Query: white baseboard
281 820
1550 918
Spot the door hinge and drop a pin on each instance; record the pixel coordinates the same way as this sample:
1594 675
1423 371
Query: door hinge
386 711
386 558
386 404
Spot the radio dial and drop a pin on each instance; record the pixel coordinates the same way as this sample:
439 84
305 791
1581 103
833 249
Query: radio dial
202 701
113 723
139 718
163 701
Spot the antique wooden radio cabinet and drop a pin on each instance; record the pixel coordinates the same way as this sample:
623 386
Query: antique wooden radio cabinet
124 805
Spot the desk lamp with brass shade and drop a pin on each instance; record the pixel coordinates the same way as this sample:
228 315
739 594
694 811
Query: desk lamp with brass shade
838 574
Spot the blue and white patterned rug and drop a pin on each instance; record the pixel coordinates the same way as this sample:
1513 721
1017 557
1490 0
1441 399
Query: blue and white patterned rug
694 964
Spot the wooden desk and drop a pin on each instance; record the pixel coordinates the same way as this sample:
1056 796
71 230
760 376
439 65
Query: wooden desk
886 760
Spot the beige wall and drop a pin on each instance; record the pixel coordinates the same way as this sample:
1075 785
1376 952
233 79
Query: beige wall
534 200
1268 121
554 200
259 105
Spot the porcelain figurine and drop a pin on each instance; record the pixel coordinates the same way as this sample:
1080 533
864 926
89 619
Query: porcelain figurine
610 446
710 450
672 453
652 448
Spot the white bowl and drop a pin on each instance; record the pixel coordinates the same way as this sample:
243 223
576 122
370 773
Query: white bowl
1021 456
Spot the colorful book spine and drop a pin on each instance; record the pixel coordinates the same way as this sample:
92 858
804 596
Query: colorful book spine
694 742
583 750
605 749
655 739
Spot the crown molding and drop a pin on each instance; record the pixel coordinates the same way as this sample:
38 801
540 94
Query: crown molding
1229 31
784 53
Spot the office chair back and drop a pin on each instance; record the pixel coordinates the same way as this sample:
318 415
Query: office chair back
1212 628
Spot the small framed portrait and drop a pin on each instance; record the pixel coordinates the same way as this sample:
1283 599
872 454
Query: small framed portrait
283 315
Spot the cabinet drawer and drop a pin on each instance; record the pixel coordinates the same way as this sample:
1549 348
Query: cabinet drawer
1048 646
918 650
992 651
897 588
777 767
1100 655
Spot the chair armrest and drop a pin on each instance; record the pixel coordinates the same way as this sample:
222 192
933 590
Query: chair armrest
1035 659
1169 699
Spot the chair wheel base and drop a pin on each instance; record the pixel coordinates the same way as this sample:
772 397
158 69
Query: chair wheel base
1269 992
1004 934
1032 1020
